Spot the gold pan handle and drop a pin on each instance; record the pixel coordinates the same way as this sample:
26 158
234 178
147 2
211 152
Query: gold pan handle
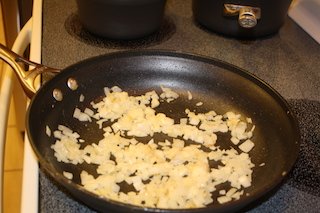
26 78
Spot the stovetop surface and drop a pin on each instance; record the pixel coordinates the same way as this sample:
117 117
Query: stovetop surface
288 61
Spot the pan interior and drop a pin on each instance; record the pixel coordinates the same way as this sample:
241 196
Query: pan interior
219 86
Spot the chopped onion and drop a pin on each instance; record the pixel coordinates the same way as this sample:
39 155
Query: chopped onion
172 173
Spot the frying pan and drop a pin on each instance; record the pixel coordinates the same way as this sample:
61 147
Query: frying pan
220 86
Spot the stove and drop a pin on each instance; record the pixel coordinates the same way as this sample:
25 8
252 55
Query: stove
288 61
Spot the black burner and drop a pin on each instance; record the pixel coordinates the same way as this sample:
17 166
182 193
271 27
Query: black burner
305 175
75 28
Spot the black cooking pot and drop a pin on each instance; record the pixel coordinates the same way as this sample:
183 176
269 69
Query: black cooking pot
243 19
121 19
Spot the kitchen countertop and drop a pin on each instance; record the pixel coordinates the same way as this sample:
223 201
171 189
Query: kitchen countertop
288 61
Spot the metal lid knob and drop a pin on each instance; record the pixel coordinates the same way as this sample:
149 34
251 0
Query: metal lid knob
247 18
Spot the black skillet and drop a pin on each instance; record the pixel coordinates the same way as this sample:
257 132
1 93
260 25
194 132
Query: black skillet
220 86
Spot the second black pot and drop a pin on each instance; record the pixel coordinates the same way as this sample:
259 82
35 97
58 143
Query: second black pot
244 19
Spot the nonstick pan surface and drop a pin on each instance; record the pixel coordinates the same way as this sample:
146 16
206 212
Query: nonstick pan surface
220 86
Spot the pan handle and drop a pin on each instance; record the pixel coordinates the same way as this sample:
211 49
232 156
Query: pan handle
26 78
